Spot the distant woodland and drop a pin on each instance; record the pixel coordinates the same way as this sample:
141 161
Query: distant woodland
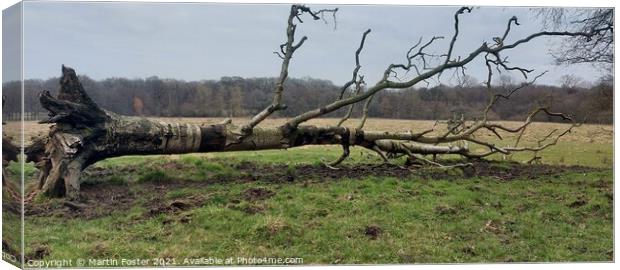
238 97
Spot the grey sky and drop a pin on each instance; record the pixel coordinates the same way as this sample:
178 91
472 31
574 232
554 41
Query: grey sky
11 43
207 41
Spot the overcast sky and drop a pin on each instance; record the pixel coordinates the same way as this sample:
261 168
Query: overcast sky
207 41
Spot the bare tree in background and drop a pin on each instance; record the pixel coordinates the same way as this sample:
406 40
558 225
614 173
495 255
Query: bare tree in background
84 133
570 83
598 49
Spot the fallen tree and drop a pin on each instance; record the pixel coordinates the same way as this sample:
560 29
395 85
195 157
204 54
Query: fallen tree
83 133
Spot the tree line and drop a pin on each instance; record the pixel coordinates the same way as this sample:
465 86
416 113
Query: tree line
240 97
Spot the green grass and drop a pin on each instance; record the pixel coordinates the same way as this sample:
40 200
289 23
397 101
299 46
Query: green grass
11 230
14 169
575 153
422 221
323 222
155 176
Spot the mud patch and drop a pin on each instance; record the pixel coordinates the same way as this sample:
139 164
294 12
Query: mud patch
95 201
373 231
507 171
305 172
578 203
503 171
98 200
158 206
257 194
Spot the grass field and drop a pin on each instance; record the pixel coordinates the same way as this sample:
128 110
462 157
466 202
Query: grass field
284 203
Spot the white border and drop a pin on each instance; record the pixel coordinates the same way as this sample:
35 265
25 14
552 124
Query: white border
568 3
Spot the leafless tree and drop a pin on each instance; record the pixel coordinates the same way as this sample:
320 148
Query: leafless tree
84 133
597 49
569 82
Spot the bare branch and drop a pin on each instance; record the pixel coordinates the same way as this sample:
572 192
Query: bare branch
496 97
456 31
365 112
287 50
512 20
358 88
384 84
357 65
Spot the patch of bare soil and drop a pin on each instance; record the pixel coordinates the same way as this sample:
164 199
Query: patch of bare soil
160 206
499 170
512 170
373 231
578 203
255 194
175 210
95 201
282 173
100 200
103 199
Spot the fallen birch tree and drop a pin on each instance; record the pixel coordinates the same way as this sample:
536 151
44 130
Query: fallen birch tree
84 133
